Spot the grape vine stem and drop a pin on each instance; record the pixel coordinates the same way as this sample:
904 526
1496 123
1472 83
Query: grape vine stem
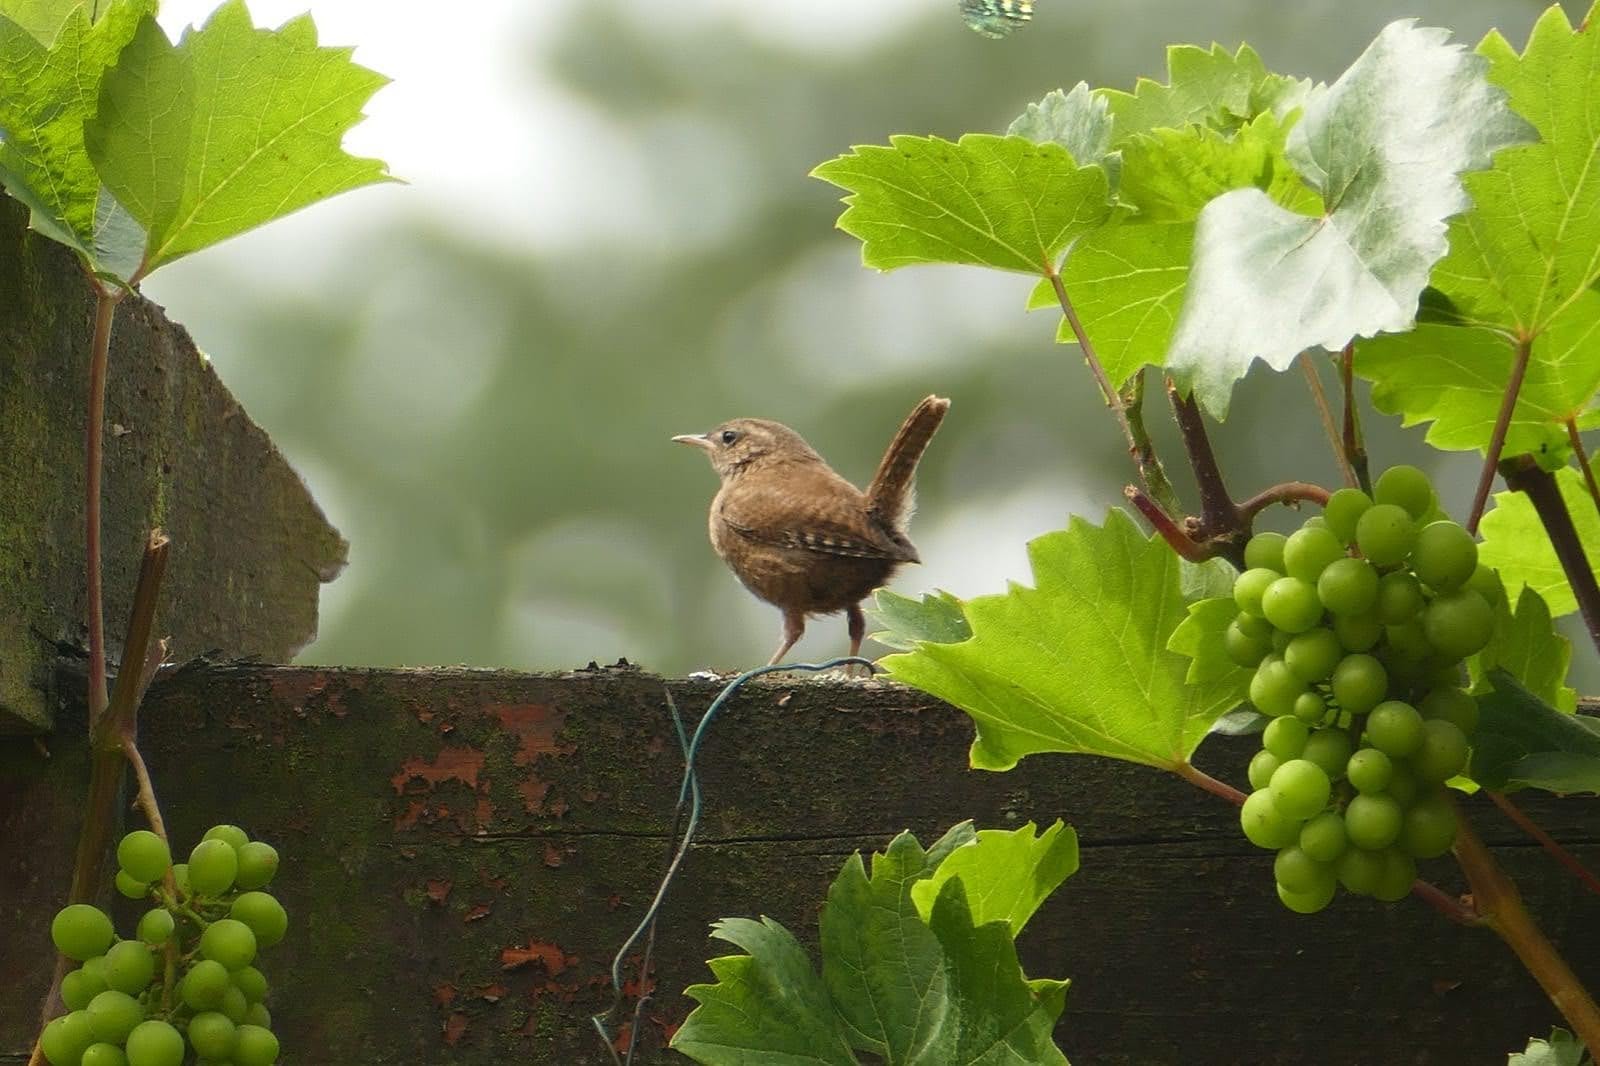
1177 538
1140 448
1288 492
1500 906
105 309
1520 818
1525 475
1319 398
1576 440
1355 452
1497 439
1200 779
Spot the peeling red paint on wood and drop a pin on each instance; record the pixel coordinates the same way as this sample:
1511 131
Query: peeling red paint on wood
455 1027
454 762
555 960
492 993
476 912
438 890
444 994
552 856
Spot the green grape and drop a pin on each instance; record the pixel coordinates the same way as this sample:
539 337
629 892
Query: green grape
1323 838
258 1014
258 863
1372 820
1280 640
1285 738
1445 556
1264 825
1357 632
1486 583
211 1035
1451 704
1407 487
213 864
232 835
144 855
1299 872
1255 627
180 878
1360 871
1399 871
1442 753
1345 508
1299 788
155 1043
1429 827
1395 728
1264 551
81 931
252 982
1249 588
113 1014
1359 683
156 926
1369 770
265 916
130 886
255 1047
234 1005
1407 643
1458 623
65 1039
1274 688
1399 598
1309 551
1403 785
1385 534
1291 604
96 969
1310 708
1329 749
230 942
1316 521
1262 763
1307 902
204 985
78 987
1242 648
130 966
1312 655
1348 586
103 1054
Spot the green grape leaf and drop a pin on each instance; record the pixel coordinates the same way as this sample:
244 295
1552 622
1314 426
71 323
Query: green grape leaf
998 1016
1126 281
1006 874
1523 742
882 965
46 94
1079 663
1522 266
1526 646
1078 121
1207 580
1200 637
936 617
1562 1049
1385 146
1240 722
1515 543
1002 202
231 128
1209 87
44 19
767 1006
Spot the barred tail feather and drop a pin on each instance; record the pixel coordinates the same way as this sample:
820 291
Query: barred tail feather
891 493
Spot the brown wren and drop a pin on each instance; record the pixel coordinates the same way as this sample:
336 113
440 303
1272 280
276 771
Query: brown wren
800 536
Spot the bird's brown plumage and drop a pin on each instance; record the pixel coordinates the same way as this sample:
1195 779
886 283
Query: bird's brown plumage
800 536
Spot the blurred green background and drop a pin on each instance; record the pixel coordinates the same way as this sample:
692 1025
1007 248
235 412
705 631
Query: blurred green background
609 237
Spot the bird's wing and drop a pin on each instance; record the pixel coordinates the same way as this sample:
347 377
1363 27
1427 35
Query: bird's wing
810 511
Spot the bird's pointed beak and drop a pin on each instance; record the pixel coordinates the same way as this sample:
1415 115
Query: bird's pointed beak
699 440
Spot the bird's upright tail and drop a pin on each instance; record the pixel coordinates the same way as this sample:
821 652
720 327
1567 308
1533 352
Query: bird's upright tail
891 493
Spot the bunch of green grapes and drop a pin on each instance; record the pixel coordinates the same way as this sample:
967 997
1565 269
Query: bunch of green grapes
183 990
1357 626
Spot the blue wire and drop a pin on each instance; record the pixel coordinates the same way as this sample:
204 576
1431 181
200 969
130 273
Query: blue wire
688 791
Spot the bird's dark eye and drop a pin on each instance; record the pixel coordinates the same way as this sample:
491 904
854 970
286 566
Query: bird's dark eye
729 436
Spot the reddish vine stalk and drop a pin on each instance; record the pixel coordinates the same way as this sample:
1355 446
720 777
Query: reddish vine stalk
1497 439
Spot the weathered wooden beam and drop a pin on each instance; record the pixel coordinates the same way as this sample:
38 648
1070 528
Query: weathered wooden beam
250 547
463 851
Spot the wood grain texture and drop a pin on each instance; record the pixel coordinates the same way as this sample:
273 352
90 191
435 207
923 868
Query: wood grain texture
464 850
250 547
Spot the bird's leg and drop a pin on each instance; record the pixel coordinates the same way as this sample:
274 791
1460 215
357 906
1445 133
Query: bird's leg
858 627
794 624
